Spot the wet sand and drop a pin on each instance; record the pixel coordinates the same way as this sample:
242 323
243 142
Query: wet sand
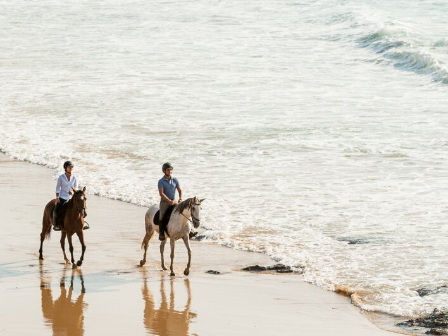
111 294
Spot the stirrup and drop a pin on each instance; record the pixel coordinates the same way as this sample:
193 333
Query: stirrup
86 226
56 228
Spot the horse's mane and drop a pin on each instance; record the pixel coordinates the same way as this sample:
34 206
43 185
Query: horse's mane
71 201
184 205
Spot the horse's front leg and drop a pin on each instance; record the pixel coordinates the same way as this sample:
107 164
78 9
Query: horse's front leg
187 245
42 238
70 247
63 235
162 248
80 235
172 243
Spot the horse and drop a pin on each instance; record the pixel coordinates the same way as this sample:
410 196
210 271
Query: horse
73 222
169 318
178 227
64 315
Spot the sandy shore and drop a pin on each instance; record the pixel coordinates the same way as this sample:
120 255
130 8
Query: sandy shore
112 295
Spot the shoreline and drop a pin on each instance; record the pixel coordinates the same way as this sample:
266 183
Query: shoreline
232 302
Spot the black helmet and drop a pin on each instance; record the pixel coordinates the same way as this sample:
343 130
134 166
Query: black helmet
68 164
166 166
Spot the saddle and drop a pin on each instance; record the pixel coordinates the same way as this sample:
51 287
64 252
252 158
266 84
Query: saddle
165 220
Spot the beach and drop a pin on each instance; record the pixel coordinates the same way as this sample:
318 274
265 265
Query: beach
112 294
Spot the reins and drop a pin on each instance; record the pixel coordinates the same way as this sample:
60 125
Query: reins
191 221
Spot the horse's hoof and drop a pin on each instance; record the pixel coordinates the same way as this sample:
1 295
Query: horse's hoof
142 262
79 263
172 274
186 272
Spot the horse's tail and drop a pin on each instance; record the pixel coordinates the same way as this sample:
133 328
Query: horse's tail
148 227
48 233
45 220
147 239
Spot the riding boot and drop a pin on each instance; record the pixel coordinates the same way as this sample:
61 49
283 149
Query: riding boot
161 232
192 234
55 221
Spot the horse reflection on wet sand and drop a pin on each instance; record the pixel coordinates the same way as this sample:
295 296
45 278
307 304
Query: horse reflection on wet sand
166 320
65 316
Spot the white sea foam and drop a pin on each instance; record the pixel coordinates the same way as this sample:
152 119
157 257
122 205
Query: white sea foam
289 117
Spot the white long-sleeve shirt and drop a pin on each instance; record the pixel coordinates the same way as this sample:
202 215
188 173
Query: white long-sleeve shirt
64 186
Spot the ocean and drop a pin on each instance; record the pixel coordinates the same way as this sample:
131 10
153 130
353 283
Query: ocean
317 131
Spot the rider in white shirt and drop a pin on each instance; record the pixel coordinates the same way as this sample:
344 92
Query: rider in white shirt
66 182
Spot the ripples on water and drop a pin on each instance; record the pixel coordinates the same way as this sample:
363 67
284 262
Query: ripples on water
306 125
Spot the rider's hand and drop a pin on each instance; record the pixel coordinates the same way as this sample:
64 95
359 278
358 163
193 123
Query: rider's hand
71 192
173 203
179 200
57 200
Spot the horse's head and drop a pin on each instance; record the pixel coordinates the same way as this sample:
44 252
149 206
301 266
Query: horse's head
79 197
195 207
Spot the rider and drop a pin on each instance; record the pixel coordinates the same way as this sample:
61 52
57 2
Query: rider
167 190
66 182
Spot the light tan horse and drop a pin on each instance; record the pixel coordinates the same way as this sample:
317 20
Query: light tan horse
73 222
178 227
167 319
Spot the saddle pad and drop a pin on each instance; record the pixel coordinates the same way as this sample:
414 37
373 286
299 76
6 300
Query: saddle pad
166 216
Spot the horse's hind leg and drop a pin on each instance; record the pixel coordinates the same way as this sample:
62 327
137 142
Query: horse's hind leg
83 245
162 248
145 244
172 243
46 231
187 245
63 235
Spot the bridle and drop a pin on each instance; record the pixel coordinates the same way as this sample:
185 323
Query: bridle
83 209
195 220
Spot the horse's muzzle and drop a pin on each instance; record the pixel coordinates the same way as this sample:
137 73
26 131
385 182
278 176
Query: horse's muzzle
196 223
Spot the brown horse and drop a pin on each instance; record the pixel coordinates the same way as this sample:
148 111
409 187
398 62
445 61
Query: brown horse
73 222
64 315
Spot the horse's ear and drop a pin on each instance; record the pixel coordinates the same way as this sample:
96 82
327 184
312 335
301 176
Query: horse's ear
202 200
84 189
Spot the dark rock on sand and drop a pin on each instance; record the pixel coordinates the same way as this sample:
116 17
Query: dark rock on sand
428 291
256 268
436 332
212 272
436 323
199 237
279 268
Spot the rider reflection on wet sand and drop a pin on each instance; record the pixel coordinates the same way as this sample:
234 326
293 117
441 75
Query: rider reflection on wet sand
63 315
166 320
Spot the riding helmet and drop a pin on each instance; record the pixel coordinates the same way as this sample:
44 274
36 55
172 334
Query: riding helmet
68 164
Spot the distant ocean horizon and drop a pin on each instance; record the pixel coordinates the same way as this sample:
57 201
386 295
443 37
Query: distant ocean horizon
317 131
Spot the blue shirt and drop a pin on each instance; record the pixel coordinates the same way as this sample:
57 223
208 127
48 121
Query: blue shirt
169 186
